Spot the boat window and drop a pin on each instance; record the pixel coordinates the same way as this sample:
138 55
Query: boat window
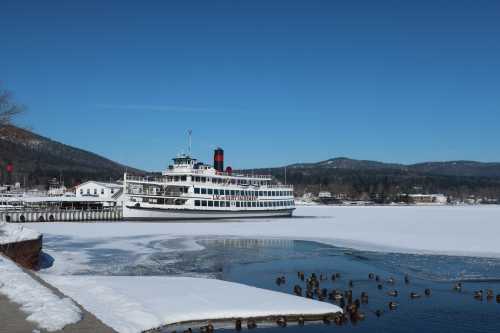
197 202
233 192
203 179
204 203
214 180
216 191
226 192
216 203
237 203
228 204
203 191
196 190
183 178
254 204
210 191
81 191
210 204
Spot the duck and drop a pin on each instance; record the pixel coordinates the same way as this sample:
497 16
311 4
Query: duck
359 316
237 324
301 320
371 276
393 305
414 295
393 293
364 297
427 292
379 286
457 286
281 321
251 324
407 279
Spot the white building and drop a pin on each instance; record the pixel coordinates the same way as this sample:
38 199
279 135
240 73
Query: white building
101 190
438 199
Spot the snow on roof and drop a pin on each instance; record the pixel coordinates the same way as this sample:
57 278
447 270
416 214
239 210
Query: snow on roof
104 184
139 303
47 310
10 233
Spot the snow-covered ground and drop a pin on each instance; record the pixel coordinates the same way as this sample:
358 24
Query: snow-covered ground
454 230
47 310
137 303
10 233
134 303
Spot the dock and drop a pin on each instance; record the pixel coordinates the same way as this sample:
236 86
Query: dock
67 215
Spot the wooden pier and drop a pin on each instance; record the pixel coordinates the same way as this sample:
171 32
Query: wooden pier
58 215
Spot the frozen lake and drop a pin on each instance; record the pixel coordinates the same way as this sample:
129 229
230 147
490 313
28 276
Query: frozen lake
231 252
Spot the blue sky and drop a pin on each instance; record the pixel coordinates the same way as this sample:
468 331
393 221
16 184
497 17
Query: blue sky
272 82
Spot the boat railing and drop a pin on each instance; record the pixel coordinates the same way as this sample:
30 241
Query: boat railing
146 179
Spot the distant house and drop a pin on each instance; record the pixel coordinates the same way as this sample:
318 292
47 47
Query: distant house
438 199
101 190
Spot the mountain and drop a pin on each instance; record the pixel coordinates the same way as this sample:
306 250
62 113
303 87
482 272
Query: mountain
459 168
364 179
449 168
36 159
347 163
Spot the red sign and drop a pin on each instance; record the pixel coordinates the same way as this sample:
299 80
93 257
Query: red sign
10 168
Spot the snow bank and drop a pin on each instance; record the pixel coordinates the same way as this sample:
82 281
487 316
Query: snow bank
10 233
462 230
43 307
135 304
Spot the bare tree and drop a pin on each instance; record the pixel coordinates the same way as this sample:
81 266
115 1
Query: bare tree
8 109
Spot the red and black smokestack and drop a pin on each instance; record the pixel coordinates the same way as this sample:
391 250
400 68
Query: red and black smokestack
219 159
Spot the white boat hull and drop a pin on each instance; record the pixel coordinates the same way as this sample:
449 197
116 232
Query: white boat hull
150 214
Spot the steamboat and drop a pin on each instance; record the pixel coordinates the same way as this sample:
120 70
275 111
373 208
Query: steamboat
189 189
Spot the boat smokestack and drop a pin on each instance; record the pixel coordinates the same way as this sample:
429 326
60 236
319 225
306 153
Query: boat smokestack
219 159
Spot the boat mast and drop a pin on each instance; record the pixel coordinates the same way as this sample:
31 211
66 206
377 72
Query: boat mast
190 131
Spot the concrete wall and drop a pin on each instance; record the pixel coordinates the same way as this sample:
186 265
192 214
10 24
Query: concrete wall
25 253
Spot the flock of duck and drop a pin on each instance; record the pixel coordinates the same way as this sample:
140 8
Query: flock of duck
351 306
313 287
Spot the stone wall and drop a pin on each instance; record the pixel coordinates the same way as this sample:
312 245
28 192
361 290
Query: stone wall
25 253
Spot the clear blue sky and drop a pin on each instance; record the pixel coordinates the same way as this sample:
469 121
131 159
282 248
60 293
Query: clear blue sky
272 82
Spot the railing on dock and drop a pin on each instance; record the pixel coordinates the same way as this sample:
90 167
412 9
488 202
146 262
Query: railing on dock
61 215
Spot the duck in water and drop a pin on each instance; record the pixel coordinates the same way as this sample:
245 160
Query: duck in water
414 295
393 293
393 305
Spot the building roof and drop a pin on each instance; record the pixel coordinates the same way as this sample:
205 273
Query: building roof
108 185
